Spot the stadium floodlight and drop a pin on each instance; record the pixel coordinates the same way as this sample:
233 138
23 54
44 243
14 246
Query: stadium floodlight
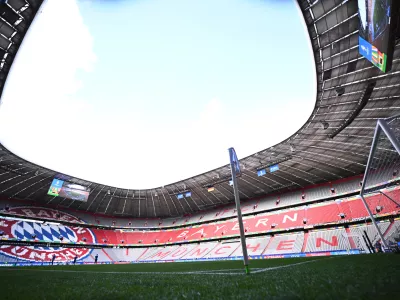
383 163
235 169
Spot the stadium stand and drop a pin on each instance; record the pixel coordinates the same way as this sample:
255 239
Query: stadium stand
285 243
179 252
393 231
248 208
329 205
224 249
312 194
313 242
201 250
357 233
328 212
327 240
124 254
255 246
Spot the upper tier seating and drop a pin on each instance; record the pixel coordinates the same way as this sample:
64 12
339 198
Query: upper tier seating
270 202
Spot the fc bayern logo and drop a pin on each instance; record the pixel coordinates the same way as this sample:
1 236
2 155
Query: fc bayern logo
49 231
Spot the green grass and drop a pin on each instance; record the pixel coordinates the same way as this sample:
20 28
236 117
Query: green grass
345 277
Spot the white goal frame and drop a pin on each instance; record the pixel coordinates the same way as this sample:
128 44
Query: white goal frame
381 127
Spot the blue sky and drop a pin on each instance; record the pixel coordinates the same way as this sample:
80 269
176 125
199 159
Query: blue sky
156 91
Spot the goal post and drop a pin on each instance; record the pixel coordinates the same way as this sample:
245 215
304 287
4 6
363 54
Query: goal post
383 167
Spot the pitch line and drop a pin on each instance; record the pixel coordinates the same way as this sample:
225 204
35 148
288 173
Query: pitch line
286 266
204 272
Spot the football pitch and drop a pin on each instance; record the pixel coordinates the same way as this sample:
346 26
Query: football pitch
341 277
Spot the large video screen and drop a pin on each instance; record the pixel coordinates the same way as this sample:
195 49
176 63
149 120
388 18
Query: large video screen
375 40
61 188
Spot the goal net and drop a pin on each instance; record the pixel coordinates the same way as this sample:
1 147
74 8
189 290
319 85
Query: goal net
380 191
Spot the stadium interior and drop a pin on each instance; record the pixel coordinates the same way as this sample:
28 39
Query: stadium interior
310 206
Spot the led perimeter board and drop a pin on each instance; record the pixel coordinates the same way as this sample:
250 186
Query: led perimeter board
61 188
377 32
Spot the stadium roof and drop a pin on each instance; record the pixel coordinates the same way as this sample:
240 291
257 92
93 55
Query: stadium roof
334 143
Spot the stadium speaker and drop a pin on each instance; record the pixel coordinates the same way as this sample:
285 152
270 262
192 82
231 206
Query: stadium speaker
130 223
325 125
378 208
339 91
305 221
333 191
303 197
8 14
342 215
273 225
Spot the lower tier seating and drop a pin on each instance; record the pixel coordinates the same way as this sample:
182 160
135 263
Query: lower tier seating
314 241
